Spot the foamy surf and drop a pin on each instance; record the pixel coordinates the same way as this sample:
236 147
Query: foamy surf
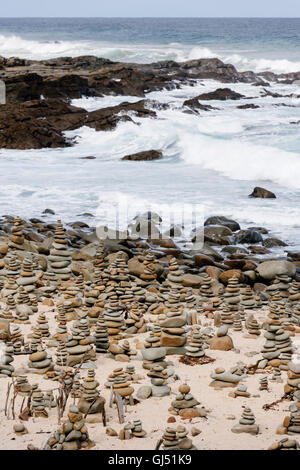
14 45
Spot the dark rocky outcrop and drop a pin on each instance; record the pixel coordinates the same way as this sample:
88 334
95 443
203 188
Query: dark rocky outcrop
40 124
144 156
262 193
221 94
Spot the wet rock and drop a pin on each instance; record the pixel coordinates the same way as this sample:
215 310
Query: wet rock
262 193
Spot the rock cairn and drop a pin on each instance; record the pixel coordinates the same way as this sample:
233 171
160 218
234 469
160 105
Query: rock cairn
246 423
185 405
232 294
16 239
91 402
60 258
195 344
101 336
27 277
72 435
285 444
6 358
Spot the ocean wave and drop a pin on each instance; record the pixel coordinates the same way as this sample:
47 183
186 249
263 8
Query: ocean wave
13 45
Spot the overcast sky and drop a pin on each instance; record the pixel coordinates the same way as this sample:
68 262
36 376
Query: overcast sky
142 8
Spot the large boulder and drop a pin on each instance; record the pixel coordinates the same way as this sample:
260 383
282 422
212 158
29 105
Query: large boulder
268 270
221 220
262 193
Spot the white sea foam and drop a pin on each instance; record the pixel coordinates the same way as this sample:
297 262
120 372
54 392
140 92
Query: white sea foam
13 45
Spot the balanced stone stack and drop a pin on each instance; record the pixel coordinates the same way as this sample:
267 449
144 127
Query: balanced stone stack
206 290
173 334
149 275
278 342
153 340
252 325
159 376
6 369
27 277
185 405
294 292
263 384
232 294
291 424
293 376
61 354
122 386
170 440
10 288
40 362
246 423
8 312
99 258
281 284
72 435
227 316
42 325
61 330
221 341
16 239
247 299
12 266
114 319
60 258
22 385
79 344
101 336
121 351
295 314
175 275
184 443
137 429
222 379
38 404
237 322
50 401
91 403
153 355
135 320
195 344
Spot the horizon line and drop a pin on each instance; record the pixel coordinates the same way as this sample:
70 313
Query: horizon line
154 17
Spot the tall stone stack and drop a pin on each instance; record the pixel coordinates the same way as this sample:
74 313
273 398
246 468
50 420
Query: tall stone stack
12 265
16 239
99 260
232 294
91 402
135 320
149 275
60 259
114 319
278 343
175 275
173 335
6 368
206 290
247 299
227 316
101 335
194 347
280 285
79 345
27 277
294 292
